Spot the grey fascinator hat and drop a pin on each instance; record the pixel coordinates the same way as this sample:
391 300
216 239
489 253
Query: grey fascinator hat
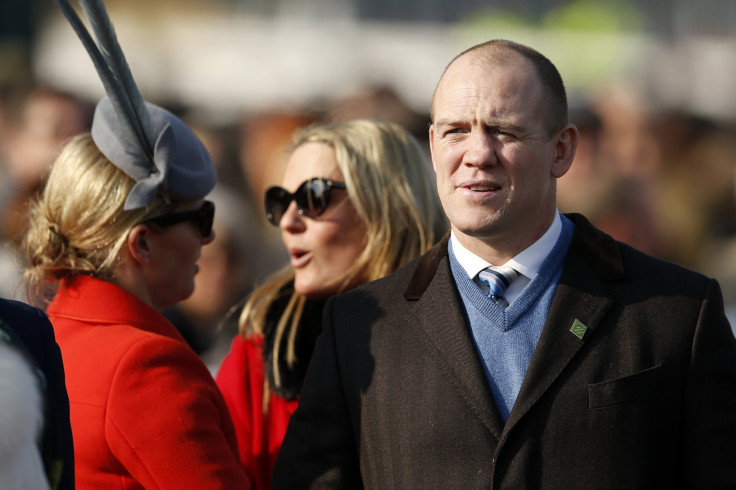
151 145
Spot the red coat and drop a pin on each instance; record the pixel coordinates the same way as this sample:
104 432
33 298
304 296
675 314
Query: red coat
145 412
241 379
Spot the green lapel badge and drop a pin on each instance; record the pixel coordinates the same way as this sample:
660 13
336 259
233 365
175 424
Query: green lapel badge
578 329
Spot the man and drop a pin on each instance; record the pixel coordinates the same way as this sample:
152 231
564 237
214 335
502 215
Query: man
585 364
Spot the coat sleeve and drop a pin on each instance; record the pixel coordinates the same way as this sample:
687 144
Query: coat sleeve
243 398
167 422
711 398
320 450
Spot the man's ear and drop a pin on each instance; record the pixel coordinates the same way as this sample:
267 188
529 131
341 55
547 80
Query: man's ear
431 145
565 146
138 244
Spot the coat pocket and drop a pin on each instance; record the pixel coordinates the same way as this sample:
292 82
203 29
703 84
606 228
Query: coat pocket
620 390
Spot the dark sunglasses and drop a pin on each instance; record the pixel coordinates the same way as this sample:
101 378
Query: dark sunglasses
312 199
204 217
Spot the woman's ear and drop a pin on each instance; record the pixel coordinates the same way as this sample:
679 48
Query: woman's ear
138 244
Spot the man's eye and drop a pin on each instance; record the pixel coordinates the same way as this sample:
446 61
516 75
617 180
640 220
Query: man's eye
501 132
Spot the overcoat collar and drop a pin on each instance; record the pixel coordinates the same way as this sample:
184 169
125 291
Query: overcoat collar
597 249
593 259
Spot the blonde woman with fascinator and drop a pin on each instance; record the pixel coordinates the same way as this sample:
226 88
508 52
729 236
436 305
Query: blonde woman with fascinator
357 201
144 410
115 238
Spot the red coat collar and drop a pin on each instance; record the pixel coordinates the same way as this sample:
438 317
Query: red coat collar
86 299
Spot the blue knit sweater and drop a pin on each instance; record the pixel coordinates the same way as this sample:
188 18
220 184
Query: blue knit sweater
506 338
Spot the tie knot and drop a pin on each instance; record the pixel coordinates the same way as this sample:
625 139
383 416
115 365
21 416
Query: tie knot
498 279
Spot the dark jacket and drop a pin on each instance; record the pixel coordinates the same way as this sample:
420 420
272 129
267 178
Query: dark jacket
36 335
643 396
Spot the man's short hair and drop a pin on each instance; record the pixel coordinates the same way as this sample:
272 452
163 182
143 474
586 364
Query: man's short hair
500 51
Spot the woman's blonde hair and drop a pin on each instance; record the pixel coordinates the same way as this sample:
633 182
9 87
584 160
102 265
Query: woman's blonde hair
78 225
391 186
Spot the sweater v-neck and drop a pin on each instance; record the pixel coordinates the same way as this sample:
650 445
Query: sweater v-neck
507 318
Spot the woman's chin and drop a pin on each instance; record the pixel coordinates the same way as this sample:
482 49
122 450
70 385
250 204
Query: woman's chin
314 291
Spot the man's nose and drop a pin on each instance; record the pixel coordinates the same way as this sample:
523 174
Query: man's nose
481 150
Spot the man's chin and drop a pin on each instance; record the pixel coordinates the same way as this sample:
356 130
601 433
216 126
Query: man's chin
479 229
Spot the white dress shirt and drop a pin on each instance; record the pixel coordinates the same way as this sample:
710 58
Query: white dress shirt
526 263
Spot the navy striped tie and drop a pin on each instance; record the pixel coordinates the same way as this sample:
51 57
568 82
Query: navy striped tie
498 279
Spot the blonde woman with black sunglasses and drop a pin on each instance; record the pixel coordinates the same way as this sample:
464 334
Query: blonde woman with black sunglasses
357 201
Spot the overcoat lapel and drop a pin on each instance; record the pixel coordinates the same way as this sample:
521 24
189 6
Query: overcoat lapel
593 259
443 323
581 299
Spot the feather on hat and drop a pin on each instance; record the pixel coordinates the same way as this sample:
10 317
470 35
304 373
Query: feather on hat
147 142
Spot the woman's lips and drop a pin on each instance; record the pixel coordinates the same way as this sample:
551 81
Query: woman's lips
299 257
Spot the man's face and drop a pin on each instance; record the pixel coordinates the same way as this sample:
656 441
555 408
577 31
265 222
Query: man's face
495 161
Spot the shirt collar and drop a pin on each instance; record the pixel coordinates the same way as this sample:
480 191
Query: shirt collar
527 262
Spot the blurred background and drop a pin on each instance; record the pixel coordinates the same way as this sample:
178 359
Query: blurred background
651 87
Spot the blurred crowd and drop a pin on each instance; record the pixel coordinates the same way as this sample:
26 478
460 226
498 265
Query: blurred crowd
659 179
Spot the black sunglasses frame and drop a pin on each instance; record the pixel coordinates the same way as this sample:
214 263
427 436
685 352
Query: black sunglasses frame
204 217
310 201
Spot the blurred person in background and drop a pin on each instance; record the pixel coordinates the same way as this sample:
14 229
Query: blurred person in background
633 178
40 121
230 265
46 119
262 137
694 210
225 276
378 102
622 195
356 202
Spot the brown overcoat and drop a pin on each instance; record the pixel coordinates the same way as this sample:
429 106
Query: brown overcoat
643 396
